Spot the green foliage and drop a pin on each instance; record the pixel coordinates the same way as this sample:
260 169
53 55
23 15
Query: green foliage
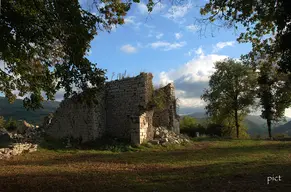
11 125
281 136
214 129
231 93
267 25
160 99
2 122
189 126
44 44
187 122
274 93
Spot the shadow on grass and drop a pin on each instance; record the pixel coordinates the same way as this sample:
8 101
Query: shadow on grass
215 177
102 144
195 153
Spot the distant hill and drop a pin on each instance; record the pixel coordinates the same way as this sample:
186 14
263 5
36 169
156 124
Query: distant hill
18 112
283 129
255 124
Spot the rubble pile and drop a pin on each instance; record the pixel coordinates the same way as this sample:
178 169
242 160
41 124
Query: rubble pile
163 136
24 140
17 149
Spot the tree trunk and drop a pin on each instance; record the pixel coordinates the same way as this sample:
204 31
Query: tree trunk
236 123
269 123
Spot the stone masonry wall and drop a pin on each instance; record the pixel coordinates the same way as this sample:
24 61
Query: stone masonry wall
142 128
167 116
126 101
79 120
124 110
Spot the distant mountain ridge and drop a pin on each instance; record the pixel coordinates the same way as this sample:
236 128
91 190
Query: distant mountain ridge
255 124
18 112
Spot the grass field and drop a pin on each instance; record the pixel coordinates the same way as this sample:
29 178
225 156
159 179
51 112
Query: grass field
226 165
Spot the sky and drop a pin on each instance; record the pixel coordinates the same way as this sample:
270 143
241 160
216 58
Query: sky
169 43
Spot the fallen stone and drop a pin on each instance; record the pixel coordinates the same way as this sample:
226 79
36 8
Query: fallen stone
165 137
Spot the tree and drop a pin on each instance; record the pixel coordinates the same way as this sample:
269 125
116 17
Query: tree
274 93
231 92
43 44
187 122
267 24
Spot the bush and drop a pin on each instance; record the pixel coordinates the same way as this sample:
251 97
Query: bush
189 127
2 122
187 123
11 125
191 131
280 136
214 129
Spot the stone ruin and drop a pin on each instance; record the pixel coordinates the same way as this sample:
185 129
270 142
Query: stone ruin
24 140
124 110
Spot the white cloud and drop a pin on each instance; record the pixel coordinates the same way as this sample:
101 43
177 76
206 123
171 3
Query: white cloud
221 45
191 78
192 28
153 33
128 48
191 102
149 26
178 36
131 20
288 112
166 46
142 8
196 70
178 12
113 27
160 35
198 51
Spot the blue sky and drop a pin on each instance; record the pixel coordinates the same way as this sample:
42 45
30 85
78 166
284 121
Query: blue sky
168 43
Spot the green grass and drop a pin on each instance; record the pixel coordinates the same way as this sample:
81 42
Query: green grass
208 165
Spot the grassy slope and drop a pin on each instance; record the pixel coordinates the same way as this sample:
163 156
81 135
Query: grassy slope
18 112
232 165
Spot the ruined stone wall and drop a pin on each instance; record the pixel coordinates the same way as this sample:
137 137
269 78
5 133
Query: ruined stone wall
126 101
142 128
124 110
167 116
78 120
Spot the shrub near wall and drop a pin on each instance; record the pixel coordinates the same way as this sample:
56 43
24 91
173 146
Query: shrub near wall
189 126
11 125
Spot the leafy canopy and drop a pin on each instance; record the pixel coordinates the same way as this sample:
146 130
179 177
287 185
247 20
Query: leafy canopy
187 122
274 92
267 25
43 44
231 92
